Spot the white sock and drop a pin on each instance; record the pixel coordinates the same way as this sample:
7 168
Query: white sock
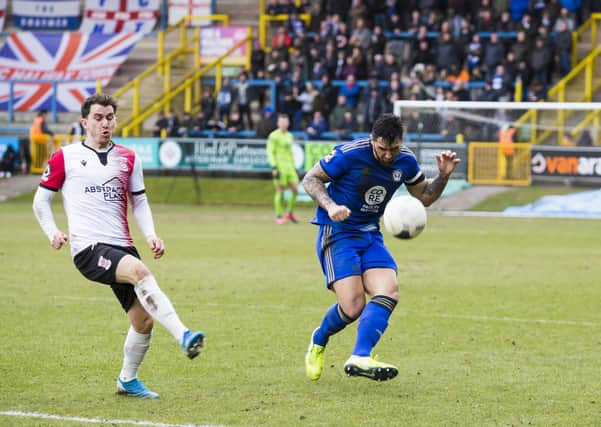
156 303
134 349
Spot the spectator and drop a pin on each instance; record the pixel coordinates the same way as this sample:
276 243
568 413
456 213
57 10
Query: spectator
374 107
585 139
317 126
243 92
338 111
76 131
200 122
224 100
160 126
267 124
565 18
257 59
234 122
351 91
361 35
41 137
186 124
377 41
327 96
207 103
347 126
563 43
493 54
172 124
281 40
296 26
8 162
539 62
446 53
307 100
521 47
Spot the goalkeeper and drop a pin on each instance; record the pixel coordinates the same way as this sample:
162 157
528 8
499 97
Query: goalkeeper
283 171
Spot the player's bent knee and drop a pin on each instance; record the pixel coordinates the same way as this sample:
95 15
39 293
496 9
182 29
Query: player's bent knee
354 307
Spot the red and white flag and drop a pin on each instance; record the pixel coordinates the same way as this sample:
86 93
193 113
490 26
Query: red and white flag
115 16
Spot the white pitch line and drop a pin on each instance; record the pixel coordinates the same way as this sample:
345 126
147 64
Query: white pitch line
511 319
283 307
94 420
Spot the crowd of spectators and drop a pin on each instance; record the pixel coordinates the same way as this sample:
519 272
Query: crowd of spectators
356 57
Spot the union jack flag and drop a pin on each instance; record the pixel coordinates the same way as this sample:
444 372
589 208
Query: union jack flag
2 13
61 57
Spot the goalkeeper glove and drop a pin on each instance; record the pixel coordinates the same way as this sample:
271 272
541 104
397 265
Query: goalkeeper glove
275 172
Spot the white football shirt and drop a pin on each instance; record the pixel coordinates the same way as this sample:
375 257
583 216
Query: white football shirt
95 187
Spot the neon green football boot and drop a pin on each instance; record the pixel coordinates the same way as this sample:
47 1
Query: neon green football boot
314 359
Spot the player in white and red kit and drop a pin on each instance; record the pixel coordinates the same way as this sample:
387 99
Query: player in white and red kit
96 177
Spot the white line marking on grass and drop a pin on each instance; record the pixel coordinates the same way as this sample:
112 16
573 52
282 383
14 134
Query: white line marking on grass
75 298
283 307
511 319
94 420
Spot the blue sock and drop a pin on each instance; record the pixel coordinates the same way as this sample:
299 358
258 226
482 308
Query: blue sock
334 321
372 324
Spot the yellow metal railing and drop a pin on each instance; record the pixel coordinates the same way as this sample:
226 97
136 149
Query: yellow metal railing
593 24
186 86
586 70
41 147
488 165
182 25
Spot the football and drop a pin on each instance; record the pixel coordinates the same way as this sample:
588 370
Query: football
405 217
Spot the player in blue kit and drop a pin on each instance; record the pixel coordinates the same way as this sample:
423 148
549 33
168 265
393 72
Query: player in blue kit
363 176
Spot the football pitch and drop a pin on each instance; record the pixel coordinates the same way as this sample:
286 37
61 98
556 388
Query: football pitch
498 324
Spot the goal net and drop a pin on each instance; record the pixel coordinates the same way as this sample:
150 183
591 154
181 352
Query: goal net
500 135
548 123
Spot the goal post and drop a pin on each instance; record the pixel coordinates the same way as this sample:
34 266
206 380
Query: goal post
500 134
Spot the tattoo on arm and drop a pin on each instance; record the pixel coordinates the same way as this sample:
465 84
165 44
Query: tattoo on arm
314 184
434 189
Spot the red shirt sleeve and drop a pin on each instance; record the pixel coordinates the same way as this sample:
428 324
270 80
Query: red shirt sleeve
54 175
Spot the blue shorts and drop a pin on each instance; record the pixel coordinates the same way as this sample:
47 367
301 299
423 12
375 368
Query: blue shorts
350 253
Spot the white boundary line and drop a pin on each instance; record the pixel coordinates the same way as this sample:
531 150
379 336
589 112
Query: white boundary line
406 313
94 420
512 319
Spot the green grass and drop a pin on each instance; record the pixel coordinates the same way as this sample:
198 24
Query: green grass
497 325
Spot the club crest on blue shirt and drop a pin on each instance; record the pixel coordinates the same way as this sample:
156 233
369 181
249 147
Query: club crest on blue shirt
397 175
329 156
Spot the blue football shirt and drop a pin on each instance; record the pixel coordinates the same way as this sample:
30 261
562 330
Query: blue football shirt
363 184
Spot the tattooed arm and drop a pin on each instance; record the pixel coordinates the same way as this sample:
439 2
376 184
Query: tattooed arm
429 190
314 183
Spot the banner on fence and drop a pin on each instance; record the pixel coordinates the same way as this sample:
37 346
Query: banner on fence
215 41
558 164
45 14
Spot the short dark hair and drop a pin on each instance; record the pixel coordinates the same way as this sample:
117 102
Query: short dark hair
389 127
100 99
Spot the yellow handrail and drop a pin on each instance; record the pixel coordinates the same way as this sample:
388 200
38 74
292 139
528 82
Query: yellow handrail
587 67
186 84
182 25
592 22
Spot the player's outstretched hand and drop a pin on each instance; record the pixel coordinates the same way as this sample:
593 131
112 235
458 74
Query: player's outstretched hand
338 212
59 240
157 246
447 160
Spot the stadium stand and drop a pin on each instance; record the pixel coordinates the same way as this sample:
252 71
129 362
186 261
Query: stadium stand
372 52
